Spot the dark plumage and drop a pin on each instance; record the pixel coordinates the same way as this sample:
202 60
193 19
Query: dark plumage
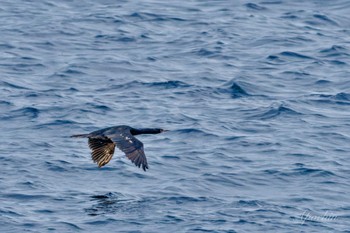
102 143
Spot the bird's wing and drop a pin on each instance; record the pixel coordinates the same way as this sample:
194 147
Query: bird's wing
132 148
102 150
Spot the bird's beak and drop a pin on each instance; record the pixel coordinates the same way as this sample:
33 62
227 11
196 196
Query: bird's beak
164 130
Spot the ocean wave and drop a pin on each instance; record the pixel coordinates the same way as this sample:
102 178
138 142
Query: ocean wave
340 98
275 111
12 85
335 51
294 55
300 171
59 123
27 197
236 89
193 132
322 19
255 6
26 112
173 84
146 16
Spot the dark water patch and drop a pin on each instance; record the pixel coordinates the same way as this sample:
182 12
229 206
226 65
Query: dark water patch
32 95
6 46
294 55
99 107
268 40
5 104
301 155
325 19
276 111
275 59
203 229
117 38
101 222
296 74
12 86
71 71
172 219
57 166
44 211
100 196
29 184
323 82
58 75
146 16
341 98
10 213
43 145
27 66
171 157
337 62
52 93
311 172
230 179
335 51
290 15
205 52
254 6
110 195
235 89
271 2
300 39
27 112
169 84
186 199
172 84
126 39
30 225
192 131
151 58
302 200
248 203
26 197
6 160
56 124
71 225
234 138
68 72
29 58
300 171
71 89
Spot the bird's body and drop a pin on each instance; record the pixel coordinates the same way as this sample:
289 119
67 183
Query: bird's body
102 143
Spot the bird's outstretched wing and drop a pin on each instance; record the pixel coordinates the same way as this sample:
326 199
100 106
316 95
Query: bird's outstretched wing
132 148
102 150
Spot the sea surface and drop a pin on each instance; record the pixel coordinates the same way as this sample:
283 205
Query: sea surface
256 95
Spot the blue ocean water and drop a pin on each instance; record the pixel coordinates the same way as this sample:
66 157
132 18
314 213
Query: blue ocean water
256 95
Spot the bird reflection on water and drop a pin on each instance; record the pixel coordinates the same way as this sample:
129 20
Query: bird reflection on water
114 203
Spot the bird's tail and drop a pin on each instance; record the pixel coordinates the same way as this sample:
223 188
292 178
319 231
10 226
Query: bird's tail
80 136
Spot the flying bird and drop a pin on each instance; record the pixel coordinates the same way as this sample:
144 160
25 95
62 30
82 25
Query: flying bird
102 143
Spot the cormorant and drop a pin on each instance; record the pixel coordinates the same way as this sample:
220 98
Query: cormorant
102 143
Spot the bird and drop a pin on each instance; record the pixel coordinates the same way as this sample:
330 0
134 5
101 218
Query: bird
102 144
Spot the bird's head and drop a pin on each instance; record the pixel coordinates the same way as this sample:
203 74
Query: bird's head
147 131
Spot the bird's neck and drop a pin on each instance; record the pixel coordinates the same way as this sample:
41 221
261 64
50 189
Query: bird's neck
144 131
